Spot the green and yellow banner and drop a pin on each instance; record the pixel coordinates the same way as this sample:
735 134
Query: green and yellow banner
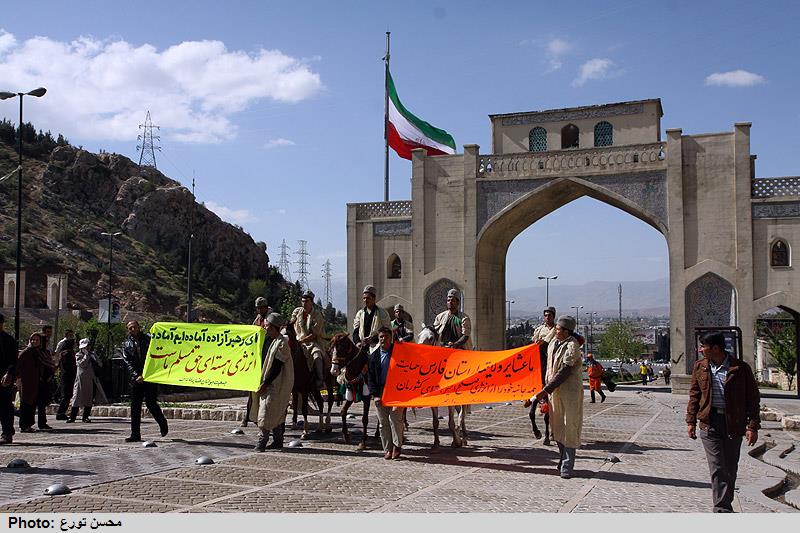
216 356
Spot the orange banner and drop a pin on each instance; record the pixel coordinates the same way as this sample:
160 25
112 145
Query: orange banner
428 376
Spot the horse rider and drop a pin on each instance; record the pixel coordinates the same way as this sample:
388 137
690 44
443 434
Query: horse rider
309 327
369 320
543 334
262 312
402 329
454 329
565 388
277 380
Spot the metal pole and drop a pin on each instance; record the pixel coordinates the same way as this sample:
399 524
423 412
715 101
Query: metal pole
58 311
547 293
19 230
110 273
386 123
189 267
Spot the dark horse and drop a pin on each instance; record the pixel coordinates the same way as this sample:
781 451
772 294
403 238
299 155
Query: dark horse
305 387
347 364
533 404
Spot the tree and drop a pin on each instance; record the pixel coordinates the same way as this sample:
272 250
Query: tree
620 342
783 349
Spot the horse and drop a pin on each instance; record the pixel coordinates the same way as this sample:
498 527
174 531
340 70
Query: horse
347 365
429 336
305 387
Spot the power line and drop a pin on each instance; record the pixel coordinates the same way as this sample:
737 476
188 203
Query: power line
302 265
326 275
283 262
147 150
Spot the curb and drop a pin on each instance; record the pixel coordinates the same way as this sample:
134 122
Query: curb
772 482
171 413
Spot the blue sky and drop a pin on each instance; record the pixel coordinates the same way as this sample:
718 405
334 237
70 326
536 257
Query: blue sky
277 107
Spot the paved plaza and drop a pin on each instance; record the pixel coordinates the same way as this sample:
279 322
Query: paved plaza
502 470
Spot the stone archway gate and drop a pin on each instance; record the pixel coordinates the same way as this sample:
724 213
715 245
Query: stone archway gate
699 191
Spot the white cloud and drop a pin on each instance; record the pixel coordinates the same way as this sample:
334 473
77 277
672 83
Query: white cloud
735 78
276 143
234 216
555 49
101 89
595 69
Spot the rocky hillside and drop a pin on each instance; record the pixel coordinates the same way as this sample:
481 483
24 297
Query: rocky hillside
71 196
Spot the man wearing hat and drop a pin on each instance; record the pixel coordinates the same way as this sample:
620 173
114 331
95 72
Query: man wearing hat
543 334
402 329
565 388
309 327
454 329
8 364
277 380
369 320
262 311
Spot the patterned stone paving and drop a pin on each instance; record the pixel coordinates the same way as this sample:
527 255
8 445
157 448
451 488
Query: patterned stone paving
502 470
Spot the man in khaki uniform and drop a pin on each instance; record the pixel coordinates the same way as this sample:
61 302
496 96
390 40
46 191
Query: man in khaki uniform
565 388
546 331
369 320
454 329
277 380
309 327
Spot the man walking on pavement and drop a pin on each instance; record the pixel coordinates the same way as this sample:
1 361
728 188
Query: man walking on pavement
724 400
595 372
65 352
565 387
134 352
391 417
277 380
8 363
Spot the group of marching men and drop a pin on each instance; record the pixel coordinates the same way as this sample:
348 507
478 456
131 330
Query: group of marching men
561 394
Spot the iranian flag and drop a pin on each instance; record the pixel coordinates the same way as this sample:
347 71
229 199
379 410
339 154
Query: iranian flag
407 132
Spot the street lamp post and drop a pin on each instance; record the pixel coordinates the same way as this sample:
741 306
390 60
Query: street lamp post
547 290
110 273
189 266
577 309
4 96
591 329
508 320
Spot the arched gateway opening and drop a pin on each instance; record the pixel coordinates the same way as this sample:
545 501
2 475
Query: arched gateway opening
499 231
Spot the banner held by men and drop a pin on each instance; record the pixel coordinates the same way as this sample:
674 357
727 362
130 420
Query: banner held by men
216 356
429 376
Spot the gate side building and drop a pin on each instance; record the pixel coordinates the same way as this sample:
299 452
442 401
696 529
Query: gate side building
730 236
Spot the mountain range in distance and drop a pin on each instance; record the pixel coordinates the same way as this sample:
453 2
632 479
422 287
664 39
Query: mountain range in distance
643 298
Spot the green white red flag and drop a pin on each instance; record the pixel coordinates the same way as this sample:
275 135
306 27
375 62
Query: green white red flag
407 132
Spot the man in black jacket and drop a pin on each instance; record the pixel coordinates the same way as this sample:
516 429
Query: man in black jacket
134 352
8 362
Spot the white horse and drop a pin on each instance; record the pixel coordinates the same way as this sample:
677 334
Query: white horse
455 414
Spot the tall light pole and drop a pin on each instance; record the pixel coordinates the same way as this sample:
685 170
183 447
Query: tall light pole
591 329
4 96
189 266
508 319
547 290
110 273
577 309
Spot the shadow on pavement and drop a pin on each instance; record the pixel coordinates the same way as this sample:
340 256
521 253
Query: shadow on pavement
614 446
48 471
651 480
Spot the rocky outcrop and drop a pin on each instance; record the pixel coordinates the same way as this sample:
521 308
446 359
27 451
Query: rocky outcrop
78 194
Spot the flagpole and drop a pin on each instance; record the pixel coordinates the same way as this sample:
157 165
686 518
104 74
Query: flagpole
386 123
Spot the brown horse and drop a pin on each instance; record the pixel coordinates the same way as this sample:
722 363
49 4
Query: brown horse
347 364
304 386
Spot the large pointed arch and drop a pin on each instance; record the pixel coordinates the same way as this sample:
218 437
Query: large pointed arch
496 235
